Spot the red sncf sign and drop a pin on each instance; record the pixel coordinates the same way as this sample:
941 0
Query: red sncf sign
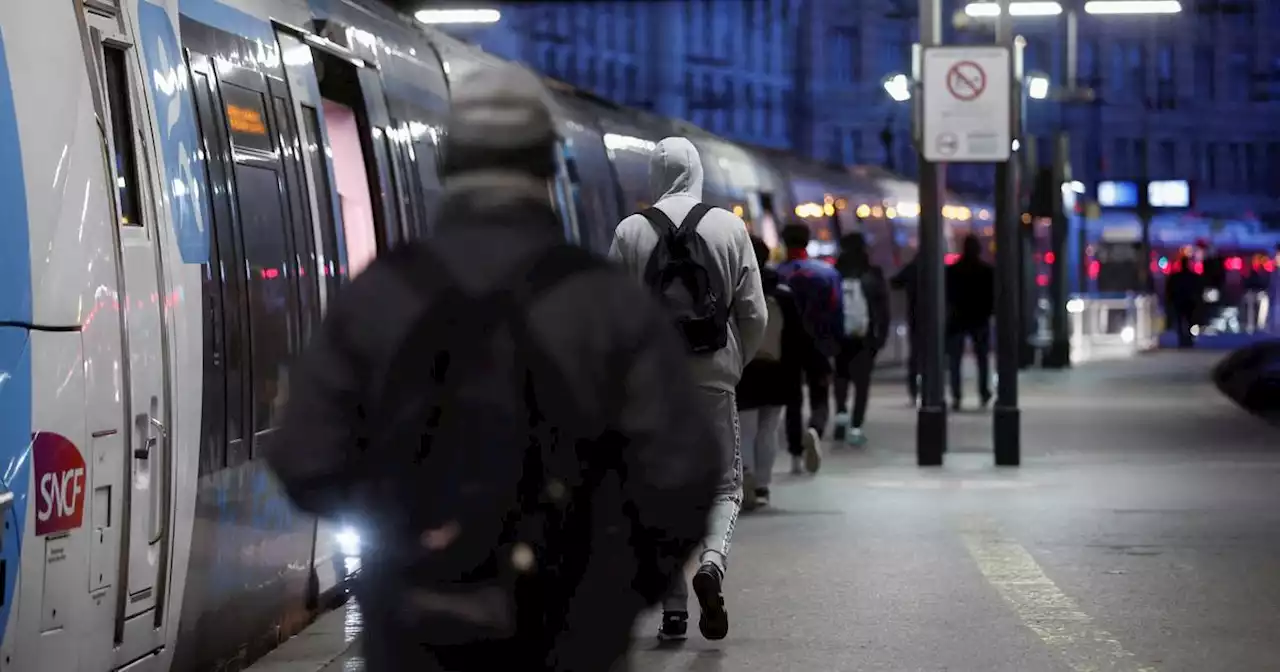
60 483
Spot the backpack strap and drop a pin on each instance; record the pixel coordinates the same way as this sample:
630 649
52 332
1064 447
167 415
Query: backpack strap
659 220
690 224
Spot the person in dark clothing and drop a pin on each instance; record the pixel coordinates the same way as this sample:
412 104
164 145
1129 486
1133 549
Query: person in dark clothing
1184 291
907 279
816 287
771 382
640 466
859 346
971 297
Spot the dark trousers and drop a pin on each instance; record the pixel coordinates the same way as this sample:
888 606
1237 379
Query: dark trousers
819 410
913 364
1182 321
981 339
853 365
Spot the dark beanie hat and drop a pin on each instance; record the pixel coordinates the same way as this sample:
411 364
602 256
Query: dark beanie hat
500 121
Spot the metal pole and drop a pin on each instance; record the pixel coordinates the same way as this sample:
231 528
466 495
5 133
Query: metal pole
1006 416
931 423
1059 355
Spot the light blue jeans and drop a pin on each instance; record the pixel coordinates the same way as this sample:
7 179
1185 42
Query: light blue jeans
721 407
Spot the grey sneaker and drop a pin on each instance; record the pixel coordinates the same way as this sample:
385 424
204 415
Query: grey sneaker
812 451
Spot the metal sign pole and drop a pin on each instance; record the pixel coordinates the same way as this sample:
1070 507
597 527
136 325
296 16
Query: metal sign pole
1007 417
931 423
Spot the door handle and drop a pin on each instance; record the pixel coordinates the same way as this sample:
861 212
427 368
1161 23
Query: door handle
155 430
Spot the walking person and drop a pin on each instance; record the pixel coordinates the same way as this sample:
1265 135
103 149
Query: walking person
866 328
1184 296
971 298
907 279
507 417
705 271
770 382
816 288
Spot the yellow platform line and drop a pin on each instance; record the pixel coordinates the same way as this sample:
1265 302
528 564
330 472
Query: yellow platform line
1070 634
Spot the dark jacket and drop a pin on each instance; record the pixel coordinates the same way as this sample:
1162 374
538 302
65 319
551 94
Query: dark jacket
908 280
876 289
777 383
648 511
1184 291
971 295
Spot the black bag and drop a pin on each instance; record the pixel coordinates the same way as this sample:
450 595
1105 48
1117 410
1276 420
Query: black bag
683 255
476 472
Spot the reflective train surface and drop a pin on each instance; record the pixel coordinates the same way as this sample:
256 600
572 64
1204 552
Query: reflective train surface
186 185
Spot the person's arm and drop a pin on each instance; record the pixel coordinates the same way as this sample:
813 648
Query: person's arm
670 462
749 309
313 451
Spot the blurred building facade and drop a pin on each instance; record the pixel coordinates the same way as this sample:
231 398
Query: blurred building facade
1197 94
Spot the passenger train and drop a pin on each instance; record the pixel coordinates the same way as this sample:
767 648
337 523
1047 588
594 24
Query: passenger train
186 184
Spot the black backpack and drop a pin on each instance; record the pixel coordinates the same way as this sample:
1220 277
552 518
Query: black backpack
475 470
681 254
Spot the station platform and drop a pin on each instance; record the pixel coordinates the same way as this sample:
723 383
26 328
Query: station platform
1140 535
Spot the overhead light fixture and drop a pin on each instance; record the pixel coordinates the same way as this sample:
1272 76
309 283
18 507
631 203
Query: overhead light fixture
457 16
990 10
1132 7
898 87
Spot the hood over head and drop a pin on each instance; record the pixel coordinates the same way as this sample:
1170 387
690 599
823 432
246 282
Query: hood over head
675 169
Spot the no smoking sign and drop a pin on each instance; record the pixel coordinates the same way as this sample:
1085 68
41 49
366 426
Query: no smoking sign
967 99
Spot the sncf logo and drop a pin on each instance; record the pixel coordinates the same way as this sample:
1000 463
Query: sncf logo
59 474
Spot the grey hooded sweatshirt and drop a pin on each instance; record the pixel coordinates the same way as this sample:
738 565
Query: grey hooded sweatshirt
675 176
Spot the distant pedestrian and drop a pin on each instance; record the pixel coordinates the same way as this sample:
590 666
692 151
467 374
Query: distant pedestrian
816 287
971 298
866 328
908 280
509 418
772 380
698 260
1184 297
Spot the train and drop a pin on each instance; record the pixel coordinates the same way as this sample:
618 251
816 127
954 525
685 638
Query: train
187 184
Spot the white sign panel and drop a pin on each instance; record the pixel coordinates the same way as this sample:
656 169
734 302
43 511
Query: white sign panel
967 96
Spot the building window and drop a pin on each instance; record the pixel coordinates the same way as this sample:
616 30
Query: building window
1211 165
1233 166
1087 61
1118 71
1166 90
1169 158
1240 74
1253 169
1136 63
1206 84
1119 158
1140 163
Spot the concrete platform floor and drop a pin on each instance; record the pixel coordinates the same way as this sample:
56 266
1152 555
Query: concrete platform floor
1141 534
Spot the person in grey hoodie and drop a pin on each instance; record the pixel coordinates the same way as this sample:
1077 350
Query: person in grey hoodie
675 174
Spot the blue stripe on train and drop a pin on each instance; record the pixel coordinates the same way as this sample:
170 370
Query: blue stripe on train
15 345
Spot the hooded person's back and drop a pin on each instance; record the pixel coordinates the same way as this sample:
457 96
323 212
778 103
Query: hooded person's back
651 476
675 178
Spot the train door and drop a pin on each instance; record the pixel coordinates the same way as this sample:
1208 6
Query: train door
120 97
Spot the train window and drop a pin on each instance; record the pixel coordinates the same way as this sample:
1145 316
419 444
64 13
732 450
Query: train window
428 160
271 315
247 118
313 149
116 74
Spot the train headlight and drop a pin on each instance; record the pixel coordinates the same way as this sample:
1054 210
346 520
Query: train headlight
348 541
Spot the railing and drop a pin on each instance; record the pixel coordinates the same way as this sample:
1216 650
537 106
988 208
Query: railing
1110 327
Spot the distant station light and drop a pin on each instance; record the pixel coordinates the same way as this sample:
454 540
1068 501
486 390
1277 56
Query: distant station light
1038 87
990 10
458 16
898 87
1133 7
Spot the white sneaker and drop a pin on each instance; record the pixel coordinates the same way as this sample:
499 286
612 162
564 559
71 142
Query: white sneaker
797 464
856 438
812 451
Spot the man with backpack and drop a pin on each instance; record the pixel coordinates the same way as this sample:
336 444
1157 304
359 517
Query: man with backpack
507 419
817 289
698 260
